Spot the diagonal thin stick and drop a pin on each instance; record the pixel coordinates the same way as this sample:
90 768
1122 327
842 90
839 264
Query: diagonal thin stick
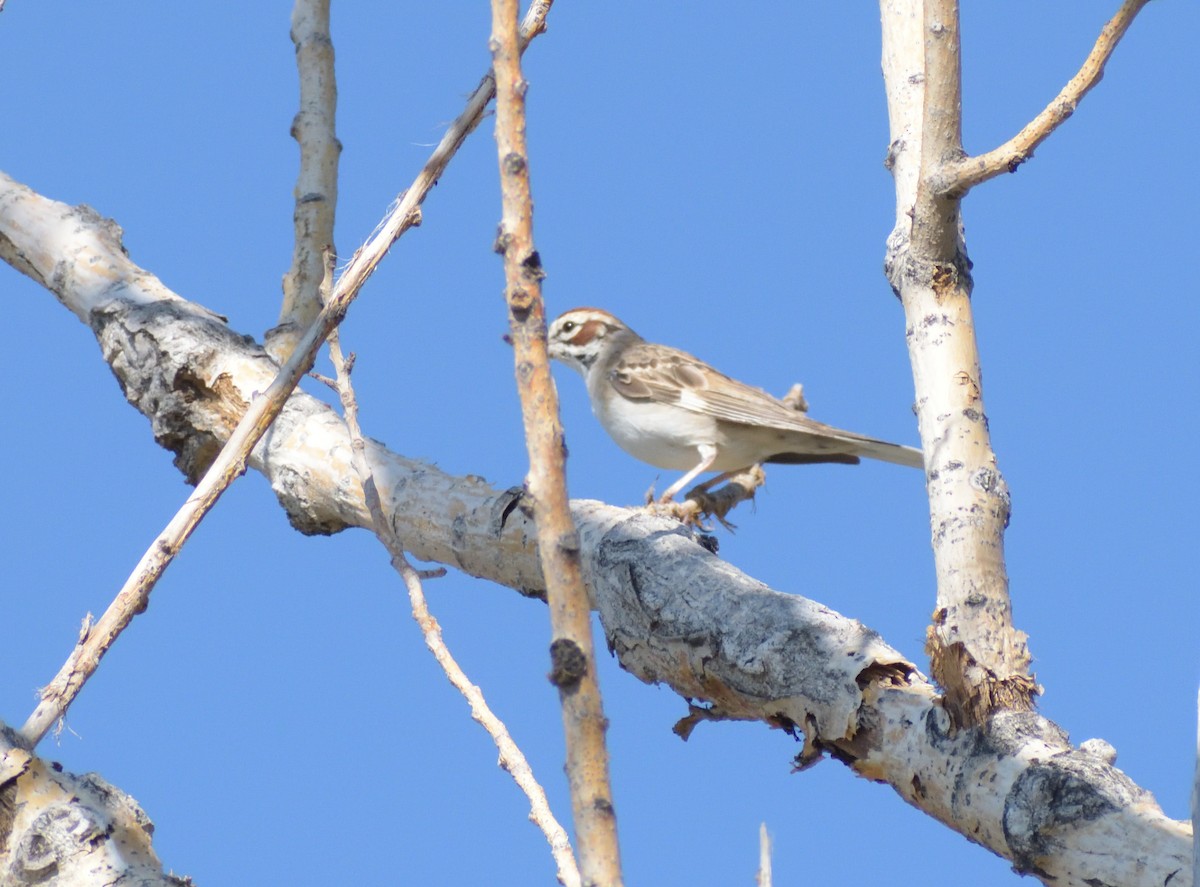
230 463
511 757
960 177
572 653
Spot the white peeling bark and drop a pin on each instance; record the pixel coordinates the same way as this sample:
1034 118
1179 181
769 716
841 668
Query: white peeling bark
672 612
976 654
60 829
316 184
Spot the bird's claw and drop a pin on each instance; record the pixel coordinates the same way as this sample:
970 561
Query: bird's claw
688 512
698 503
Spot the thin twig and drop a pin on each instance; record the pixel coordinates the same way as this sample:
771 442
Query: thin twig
960 177
511 757
573 661
410 200
230 463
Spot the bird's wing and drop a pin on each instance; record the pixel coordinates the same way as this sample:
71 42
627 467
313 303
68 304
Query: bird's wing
668 376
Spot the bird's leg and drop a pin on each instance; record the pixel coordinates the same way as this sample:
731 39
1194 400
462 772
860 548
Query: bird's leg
740 487
719 479
699 503
708 455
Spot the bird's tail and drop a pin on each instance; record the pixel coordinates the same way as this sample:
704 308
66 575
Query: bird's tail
897 454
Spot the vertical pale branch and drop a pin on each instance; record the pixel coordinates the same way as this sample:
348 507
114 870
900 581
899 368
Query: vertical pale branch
977 656
573 665
316 183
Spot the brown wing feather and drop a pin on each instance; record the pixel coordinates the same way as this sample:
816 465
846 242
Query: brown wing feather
666 375
641 375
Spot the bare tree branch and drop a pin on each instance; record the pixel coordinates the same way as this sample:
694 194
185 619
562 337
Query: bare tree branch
959 177
316 185
572 653
409 202
61 828
976 653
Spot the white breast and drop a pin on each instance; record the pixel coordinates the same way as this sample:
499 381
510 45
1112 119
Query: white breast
664 436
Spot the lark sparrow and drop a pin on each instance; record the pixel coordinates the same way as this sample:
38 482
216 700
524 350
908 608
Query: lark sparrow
667 408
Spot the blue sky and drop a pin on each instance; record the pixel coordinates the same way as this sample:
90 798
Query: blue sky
716 179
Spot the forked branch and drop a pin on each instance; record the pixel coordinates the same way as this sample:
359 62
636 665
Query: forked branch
957 178
977 654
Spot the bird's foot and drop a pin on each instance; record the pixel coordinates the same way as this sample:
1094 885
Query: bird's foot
699 503
688 512
739 488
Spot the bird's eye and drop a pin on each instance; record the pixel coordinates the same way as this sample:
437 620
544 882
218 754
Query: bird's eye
568 326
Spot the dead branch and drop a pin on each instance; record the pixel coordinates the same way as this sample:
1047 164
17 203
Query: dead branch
959 177
316 184
573 659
